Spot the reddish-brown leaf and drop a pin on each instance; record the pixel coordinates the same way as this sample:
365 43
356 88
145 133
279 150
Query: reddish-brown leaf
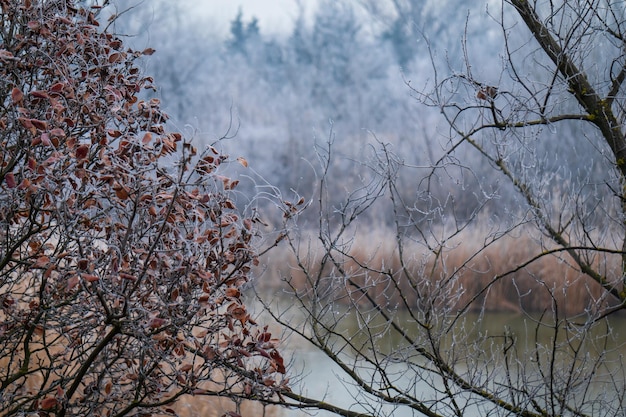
278 361
39 124
48 403
90 277
57 132
82 151
156 322
45 139
147 138
232 292
72 282
126 276
243 161
6 55
83 264
107 387
115 57
16 95
39 94
56 88
42 262
239 313
9 178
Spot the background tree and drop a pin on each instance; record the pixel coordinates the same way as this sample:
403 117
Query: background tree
542 235
122 254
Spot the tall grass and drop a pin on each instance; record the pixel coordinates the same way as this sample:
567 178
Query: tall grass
514 273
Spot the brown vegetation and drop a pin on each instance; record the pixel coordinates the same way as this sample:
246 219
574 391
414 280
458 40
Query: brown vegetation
514 273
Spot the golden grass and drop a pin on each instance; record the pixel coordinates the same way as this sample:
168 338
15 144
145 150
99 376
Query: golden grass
511 273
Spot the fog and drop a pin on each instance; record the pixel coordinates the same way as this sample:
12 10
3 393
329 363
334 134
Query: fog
277 79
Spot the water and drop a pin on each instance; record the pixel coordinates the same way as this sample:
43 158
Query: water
314 375
323 379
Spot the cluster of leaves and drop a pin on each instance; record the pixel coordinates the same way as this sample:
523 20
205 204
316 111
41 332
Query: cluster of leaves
122 256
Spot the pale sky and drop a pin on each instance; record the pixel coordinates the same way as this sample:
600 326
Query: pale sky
275 16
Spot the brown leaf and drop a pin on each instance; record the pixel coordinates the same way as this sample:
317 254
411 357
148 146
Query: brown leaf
156 322
82 151
115 57
39 94
243 162
121 193
42 262
90 277
83 264
39 124
487 93
45 139
57 132
72 282
48 403
126 276
146 138
9 178
16 95
25 122
56 88
6 55
232 292
278 361
239 313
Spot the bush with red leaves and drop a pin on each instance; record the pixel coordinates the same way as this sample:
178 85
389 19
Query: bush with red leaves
122 254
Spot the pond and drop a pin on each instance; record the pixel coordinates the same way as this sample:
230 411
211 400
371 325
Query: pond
314 375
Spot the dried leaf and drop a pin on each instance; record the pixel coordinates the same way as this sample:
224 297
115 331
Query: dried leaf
57 132
6 55
156 322
107 387
232 292
146 138
9 178
72 282
128 277
242 161
90 277
82 151
48 403
16 95
115 57
39 124
42 262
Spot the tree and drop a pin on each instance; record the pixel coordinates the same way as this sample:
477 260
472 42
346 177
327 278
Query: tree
553 252
122 254
243 37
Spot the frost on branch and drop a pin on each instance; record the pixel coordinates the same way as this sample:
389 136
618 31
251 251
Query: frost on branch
121 255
